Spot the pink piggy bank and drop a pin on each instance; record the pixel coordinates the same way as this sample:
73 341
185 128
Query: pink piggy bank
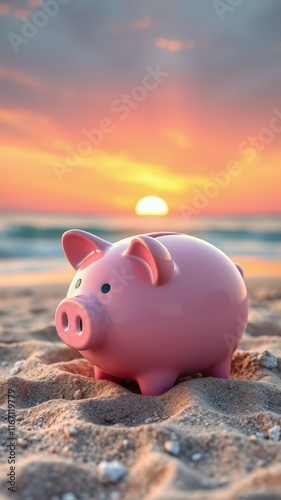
152 307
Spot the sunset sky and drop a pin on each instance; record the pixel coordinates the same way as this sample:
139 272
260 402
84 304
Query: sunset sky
112 100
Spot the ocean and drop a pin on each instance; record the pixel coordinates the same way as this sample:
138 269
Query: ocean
31 243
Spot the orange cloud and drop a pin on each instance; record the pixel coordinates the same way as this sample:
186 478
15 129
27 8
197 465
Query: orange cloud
31 182
5 10
177 137
20 77
27 129
27 118
142 24
175 45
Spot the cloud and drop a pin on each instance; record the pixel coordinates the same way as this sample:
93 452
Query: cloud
28 130
4 9
175 45
19 9
20 78
122 169
224 77
178 137
141 24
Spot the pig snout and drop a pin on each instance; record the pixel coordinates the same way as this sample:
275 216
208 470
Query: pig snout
81 323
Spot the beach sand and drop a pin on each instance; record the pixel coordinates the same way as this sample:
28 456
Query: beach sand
204 439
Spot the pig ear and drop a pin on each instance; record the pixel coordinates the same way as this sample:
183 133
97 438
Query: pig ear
155 255
240 269
78 245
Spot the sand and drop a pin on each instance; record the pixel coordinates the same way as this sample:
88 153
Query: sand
204 439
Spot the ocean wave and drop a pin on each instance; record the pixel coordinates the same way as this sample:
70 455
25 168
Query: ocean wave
244 234
39 236
33 232
36 232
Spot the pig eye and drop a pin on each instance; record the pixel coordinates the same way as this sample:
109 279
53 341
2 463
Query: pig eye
105 288
78 283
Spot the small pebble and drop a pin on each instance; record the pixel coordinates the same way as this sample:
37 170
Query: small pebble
172 447
111 472
196 456
259 435
78 394
37 437
4 363
125 442
268 360
70 431
148 420
15 370
253 438
19 362
69 496
274 432
22 442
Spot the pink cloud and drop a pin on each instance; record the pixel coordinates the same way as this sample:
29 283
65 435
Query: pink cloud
175 45
20 77
141 24
21 9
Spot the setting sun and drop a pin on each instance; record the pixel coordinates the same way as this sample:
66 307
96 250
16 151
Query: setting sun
151 205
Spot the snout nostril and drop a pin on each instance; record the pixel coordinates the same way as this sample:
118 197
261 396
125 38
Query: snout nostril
64 320
79 325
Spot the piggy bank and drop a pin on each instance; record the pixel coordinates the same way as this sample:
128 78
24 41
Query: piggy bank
152 307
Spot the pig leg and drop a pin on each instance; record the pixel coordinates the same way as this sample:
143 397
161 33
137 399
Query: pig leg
219 370
156 383
101 375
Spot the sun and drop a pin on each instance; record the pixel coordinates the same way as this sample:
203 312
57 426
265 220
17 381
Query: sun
151 205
